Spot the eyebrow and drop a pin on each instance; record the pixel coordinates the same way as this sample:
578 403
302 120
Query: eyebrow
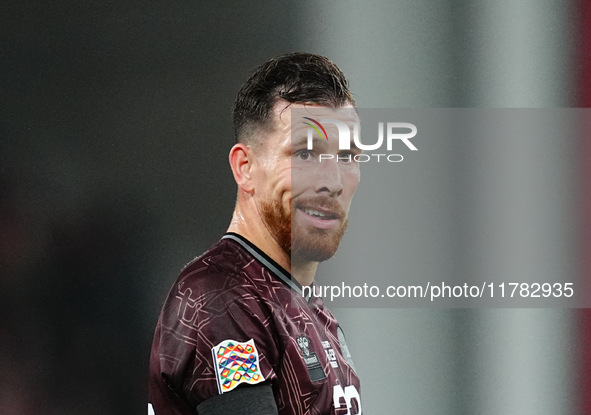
299 140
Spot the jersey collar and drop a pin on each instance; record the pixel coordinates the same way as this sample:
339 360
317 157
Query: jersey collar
280 272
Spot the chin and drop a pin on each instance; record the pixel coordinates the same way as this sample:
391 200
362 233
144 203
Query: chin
317 245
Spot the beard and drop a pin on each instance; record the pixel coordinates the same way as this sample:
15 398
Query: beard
278 222
305 242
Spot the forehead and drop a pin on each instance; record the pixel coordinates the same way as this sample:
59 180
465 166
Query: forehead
292 117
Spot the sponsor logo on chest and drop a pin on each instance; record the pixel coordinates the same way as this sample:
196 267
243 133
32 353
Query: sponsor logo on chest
310 358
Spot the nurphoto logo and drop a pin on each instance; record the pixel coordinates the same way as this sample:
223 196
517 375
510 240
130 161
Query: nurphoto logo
387 132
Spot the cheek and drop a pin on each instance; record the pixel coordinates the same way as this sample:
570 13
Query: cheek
287 180
350 182
287 189
274 176
302 179
280 184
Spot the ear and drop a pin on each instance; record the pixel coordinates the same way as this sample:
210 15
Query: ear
241 165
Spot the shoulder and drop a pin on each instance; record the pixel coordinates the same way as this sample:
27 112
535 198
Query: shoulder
225 276
225 266
224 258
224 298
215 298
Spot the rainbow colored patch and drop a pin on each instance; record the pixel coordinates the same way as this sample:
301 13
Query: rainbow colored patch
236 363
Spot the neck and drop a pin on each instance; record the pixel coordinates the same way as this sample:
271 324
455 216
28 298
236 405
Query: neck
253 229
303 271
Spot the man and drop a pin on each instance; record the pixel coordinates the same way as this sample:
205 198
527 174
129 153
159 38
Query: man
236 335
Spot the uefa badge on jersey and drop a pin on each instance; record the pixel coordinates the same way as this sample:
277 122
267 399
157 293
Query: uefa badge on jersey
236 363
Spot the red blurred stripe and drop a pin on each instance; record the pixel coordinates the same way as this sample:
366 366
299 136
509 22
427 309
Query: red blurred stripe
584 100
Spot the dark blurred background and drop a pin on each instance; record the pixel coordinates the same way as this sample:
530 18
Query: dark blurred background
115 123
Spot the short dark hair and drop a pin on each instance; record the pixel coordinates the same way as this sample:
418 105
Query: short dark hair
296 78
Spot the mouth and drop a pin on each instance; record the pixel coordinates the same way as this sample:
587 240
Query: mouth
319 213
319 217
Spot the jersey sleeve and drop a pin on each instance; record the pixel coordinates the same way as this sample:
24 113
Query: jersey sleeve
214 335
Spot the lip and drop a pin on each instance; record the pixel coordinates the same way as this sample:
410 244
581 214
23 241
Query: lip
330 220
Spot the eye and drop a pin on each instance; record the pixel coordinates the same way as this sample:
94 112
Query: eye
304 155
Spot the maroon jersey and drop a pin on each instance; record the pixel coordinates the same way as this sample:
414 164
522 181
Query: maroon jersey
236 318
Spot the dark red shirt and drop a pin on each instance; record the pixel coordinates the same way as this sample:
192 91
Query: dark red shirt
234 318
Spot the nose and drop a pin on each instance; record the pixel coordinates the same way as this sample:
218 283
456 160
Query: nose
329 178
